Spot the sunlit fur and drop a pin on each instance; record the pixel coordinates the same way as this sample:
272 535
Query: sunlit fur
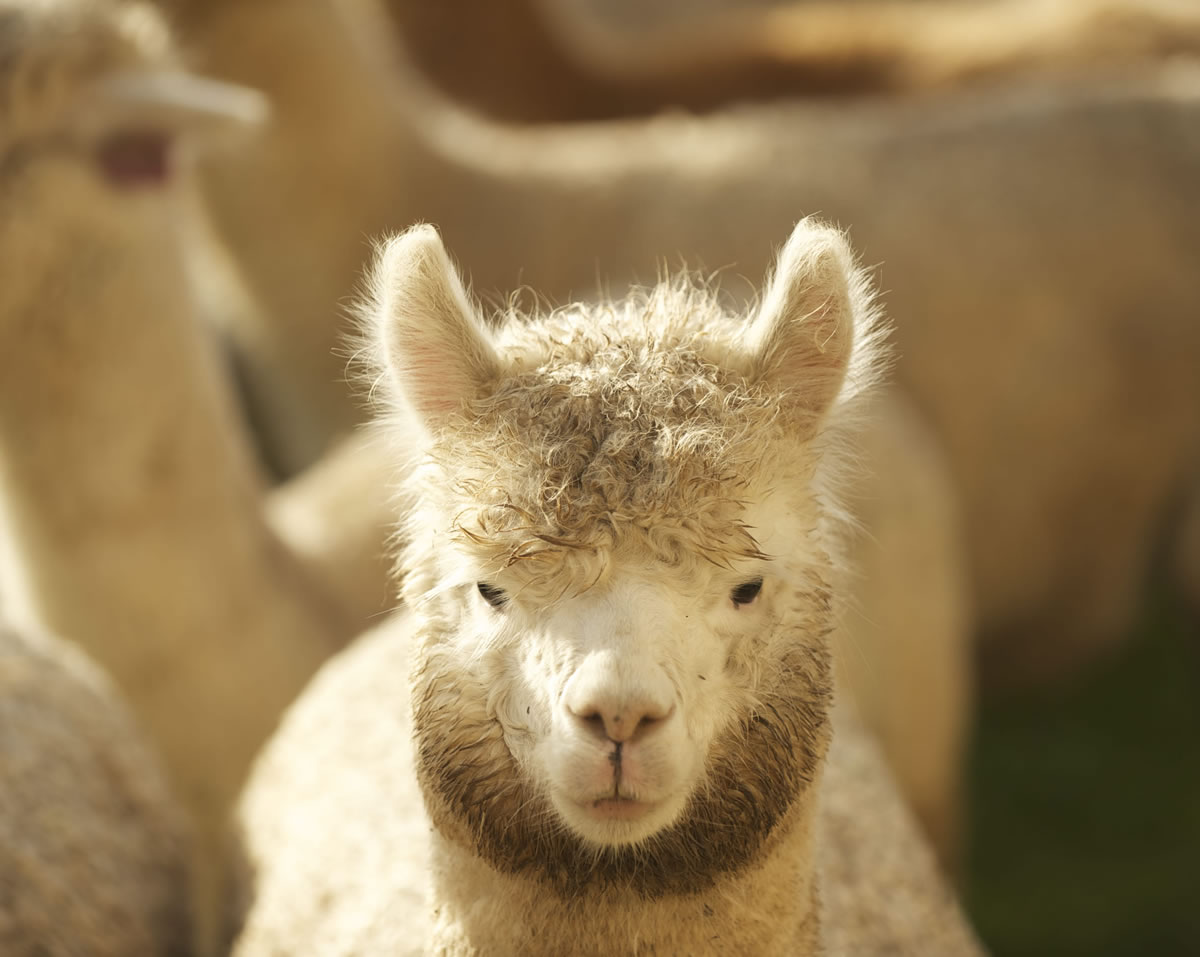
615 472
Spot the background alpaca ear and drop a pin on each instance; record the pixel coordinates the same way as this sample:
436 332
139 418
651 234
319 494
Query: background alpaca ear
802 338
173 102
430 341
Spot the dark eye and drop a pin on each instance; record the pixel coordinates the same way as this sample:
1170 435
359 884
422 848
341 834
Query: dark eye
492 595
746 592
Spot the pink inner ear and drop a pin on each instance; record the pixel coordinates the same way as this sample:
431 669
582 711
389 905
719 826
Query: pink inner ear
436 385
135 158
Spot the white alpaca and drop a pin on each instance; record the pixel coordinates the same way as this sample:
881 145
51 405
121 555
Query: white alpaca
93 850
622 577
127 484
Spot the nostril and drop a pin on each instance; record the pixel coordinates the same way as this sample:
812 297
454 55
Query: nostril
610 698
594 723
621 724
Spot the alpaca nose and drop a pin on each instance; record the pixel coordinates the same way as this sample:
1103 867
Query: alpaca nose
618 703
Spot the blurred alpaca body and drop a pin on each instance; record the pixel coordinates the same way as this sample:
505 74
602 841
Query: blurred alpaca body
553 60
93 850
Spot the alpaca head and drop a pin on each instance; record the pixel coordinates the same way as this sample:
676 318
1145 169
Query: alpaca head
620 552
94 84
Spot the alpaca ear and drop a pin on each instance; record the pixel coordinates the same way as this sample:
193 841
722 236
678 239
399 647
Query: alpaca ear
171 102
430 340
802 338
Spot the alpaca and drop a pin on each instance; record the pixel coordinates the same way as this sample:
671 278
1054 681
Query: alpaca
126 482
549 60
93 850
621 579
1024 337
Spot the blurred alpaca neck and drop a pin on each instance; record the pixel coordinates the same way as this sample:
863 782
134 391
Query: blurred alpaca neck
129 491
114 415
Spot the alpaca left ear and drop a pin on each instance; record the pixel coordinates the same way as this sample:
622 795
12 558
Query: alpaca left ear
802 338
434 347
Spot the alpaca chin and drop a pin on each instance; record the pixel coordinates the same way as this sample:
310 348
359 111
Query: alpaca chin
620 821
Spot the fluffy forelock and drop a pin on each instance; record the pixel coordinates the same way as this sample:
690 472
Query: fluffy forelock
627 425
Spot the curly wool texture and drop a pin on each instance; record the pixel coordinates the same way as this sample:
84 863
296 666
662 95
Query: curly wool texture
630 426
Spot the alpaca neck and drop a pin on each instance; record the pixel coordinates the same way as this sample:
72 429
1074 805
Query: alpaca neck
114 426
770 908
301 215
130 495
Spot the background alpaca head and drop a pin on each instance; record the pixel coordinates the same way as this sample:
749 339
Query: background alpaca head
621 559
97 82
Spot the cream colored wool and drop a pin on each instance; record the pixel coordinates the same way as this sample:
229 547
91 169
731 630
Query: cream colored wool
1036 248
127 484
588 468
93 849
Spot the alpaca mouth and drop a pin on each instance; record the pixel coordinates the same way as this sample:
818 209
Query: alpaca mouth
620 808
134 159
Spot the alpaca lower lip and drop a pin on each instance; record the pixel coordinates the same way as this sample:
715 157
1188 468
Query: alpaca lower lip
619 809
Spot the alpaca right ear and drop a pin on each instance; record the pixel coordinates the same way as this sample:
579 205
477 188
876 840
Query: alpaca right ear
430 340
804 334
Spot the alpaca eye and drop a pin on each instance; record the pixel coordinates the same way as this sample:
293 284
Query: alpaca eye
746 592
492 595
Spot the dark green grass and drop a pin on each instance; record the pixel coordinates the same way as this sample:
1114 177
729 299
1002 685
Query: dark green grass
1085 816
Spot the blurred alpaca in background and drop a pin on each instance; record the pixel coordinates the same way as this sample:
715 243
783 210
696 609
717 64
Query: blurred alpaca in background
93 850
129 488
546 60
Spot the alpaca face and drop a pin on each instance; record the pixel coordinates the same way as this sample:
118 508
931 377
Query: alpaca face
619 561
610 699
650 731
